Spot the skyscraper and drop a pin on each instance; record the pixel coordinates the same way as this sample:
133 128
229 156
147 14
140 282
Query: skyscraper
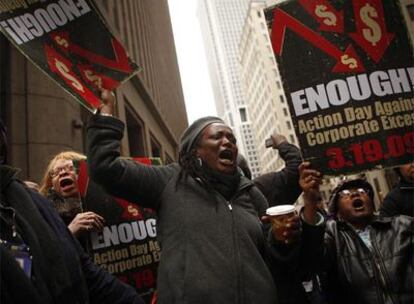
264 95
222 24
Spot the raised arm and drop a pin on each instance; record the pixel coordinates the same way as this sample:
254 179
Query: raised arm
121 177
282 187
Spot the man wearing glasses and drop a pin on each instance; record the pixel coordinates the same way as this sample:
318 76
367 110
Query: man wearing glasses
366 259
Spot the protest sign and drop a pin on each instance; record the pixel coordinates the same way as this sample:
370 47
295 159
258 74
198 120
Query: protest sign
347 71
69 41
127 247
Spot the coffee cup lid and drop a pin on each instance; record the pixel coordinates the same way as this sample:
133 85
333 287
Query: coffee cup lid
280 210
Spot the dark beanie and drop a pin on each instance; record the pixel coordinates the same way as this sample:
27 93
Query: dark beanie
348 184
191 134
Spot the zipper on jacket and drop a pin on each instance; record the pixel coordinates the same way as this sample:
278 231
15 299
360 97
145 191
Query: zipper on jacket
381 271
239 296
372 254
236 251
229 205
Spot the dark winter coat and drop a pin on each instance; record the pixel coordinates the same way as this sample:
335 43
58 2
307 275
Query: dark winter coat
360 276
282 187
61 271
399 200
213 250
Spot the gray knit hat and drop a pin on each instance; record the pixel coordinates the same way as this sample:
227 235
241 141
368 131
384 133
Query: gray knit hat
348 184
191 134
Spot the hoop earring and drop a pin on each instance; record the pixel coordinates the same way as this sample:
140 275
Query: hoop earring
200 161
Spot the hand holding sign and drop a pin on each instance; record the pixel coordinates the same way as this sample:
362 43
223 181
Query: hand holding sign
108 103
61 40
85 222
338 98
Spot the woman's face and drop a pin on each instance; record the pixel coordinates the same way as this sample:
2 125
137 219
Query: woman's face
217 148
64 178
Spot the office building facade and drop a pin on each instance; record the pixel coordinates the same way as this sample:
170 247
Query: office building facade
43 120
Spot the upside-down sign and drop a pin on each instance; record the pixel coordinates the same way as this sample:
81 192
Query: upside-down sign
69 41
348 74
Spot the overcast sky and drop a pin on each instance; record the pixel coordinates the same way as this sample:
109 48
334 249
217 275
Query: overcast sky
191 59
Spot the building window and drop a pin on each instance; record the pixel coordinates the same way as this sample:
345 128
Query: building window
155 147
292 139
282 99
168 159
278 85
289 126
231 120
243 114
410 9
285 112
136 138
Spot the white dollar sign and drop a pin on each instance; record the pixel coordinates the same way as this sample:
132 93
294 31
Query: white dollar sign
62 41
65 72
349 61
94 78
373 33
329 17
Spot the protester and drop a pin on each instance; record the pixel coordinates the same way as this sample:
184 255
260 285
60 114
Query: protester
367 259
40 260
244 166
213 244
282 187
400 200
32 185
60 186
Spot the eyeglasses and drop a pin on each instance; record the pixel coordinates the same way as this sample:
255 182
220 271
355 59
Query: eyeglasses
65 168
347 193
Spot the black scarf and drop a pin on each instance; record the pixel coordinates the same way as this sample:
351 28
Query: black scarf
225 184
67 208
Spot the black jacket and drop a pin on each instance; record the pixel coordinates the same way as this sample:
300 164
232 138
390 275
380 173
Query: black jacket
213 250
399 200
360 276
61 271
282 187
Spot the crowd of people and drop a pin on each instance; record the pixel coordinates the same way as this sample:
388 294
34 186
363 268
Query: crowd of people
218 243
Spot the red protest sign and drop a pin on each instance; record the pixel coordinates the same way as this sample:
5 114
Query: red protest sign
127 246
70 42
347 69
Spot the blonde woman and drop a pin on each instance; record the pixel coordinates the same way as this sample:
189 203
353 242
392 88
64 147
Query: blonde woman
60 186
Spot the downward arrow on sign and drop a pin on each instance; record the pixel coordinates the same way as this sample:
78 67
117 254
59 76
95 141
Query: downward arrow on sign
347 61
328 17
120 63
371 34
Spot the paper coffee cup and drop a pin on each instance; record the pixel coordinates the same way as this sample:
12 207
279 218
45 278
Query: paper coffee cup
280 210
279 216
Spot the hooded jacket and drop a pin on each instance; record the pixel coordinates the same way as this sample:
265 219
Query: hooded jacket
213 250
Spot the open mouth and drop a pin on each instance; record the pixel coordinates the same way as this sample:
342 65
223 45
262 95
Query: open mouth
358 204
64 183
226 157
